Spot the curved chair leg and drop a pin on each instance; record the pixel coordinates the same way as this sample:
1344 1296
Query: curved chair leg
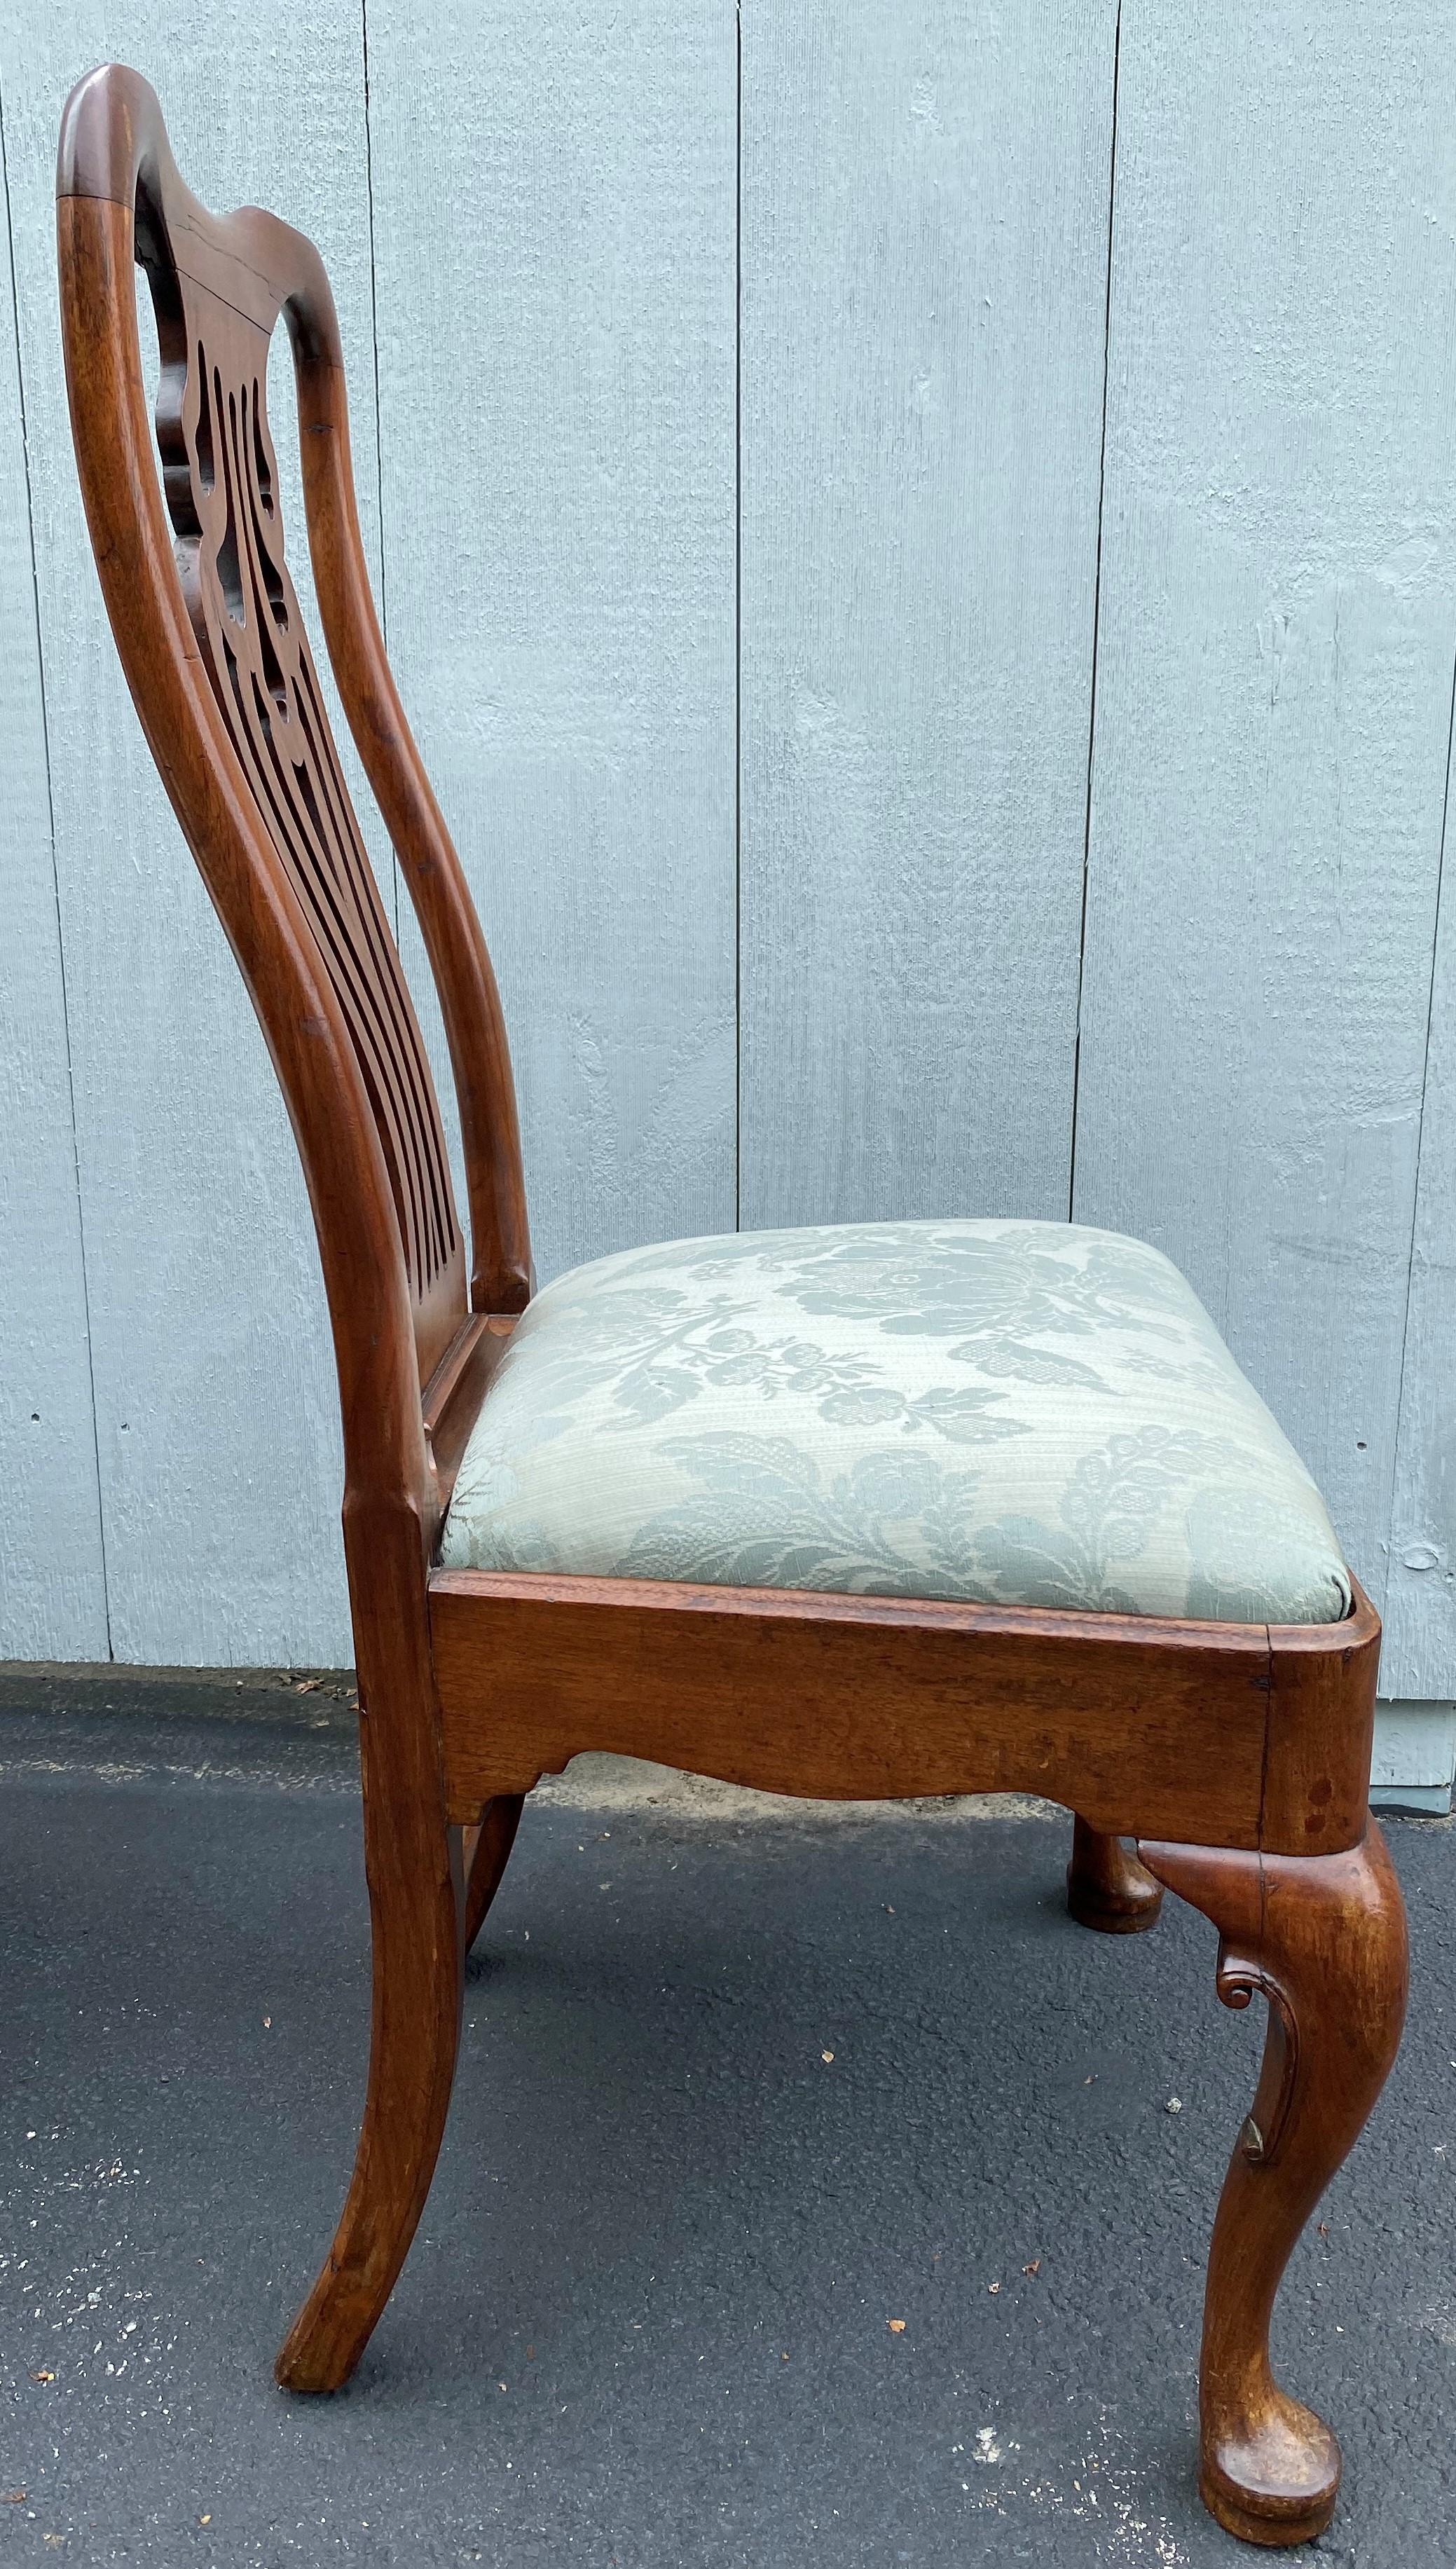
486 1850
1107 1888
416 1898
1323 1939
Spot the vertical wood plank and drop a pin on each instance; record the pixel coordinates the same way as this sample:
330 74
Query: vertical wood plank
1273 694
924 246
217 1413
1419 1656
52 1576
1415 1756
555 228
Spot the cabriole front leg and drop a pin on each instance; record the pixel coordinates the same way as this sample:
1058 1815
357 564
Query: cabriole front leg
1323 1939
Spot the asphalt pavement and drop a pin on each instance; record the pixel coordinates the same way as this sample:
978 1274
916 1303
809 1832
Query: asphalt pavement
814 2191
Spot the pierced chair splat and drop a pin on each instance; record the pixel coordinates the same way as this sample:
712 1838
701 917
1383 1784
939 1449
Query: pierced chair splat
885 1510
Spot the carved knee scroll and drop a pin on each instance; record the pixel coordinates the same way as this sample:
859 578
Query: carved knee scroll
1323 1939
1107 1888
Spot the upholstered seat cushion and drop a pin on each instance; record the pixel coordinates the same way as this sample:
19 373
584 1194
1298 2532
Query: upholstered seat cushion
1031 1413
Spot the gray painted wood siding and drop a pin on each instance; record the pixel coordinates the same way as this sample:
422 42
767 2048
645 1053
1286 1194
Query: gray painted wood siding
924 285
921 545
1274 701
52 1582
559 510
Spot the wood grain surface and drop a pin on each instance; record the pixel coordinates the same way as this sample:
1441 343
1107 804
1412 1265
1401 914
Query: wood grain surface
1275 648
52 1576
925 284
1250 1734
557 420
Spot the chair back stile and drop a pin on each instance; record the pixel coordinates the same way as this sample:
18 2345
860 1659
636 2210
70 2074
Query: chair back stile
210 637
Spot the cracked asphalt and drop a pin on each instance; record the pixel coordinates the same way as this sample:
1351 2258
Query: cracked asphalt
814 2192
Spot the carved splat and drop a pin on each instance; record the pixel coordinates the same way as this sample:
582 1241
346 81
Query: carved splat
219 473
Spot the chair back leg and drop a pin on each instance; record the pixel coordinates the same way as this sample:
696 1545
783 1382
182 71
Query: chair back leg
413 1859
1107 1888
487 1851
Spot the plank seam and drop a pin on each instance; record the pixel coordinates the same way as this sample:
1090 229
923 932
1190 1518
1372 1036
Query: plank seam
1420 1150
738 622
56 881
1096 618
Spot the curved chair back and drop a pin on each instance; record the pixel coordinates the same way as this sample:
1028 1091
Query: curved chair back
207 626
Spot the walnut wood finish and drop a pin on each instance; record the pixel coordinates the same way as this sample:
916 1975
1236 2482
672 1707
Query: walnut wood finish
860 1698
1324 1942
212 642
1242 1752
486 1850
1107 1888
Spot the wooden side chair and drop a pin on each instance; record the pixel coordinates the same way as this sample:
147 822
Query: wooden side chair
868 1511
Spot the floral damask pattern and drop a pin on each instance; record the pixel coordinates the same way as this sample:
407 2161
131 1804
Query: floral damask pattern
1026 1413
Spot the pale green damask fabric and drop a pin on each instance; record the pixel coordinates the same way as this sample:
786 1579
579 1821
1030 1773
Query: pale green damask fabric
1025 1412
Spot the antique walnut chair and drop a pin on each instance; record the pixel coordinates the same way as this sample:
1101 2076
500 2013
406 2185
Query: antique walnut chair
877 1511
